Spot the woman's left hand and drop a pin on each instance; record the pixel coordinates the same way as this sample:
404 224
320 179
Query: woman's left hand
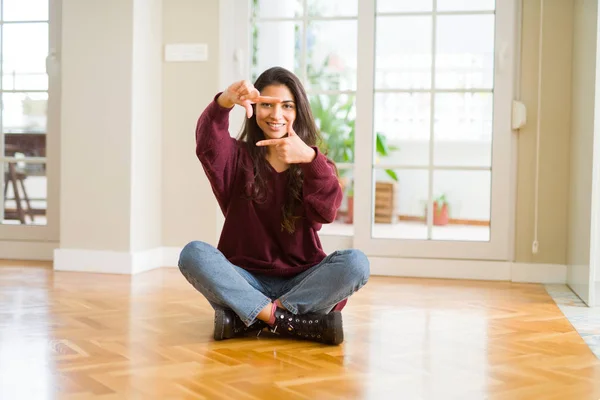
290 149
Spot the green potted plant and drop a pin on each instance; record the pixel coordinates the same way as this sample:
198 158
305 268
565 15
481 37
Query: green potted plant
440 210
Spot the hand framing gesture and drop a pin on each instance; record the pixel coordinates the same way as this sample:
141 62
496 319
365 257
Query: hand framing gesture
244 94
290 149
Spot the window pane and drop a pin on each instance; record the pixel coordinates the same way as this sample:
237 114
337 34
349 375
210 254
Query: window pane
276 44
25 188
331 62
25 69
465 52
466 5
333 8
403 53
276 8
404 5
463 129
462 200
25 10
402 123
24 112
400 204
335 116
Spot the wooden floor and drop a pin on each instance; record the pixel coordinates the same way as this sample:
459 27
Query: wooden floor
91 336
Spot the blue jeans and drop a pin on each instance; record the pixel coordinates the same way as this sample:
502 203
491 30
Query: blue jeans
316 290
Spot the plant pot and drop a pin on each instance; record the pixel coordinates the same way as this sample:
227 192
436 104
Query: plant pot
350 215
440 214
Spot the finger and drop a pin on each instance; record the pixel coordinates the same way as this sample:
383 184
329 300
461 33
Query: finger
249 93
244 90
238 89
235 87
290 128
248 106
262 99
269 142
267 99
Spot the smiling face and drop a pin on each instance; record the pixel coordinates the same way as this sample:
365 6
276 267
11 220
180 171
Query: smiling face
273 118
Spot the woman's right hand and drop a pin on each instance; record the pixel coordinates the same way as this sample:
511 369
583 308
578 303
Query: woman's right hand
244 94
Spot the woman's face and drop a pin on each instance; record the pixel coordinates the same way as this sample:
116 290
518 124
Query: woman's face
273 119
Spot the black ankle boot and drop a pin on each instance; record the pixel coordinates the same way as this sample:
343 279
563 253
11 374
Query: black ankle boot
319 328
228 325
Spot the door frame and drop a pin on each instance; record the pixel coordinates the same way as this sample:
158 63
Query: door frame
500 246
235 47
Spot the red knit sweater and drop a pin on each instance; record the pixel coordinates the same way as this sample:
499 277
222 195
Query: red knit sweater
252 236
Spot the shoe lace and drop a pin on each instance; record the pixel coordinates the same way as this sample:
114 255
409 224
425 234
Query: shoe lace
301 325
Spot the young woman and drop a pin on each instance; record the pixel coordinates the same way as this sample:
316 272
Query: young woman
276 189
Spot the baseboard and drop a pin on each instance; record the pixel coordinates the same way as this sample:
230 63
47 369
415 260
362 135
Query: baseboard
438 268
469 269
541 273
109 262
147 260
170 256
134 263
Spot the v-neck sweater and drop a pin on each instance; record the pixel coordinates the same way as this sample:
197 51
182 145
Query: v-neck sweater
252 237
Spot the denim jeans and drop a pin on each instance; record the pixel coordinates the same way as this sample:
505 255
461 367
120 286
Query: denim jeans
316 290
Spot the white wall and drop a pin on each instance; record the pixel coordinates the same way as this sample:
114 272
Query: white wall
555 130
189 210
111 136
146 126
594 270
582 137
95 194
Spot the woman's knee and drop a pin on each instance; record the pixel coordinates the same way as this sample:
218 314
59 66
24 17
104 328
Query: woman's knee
358 265
193 254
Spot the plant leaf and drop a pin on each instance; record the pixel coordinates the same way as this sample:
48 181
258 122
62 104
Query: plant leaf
392 174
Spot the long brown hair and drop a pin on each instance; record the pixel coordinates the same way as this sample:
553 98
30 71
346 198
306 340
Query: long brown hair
304 126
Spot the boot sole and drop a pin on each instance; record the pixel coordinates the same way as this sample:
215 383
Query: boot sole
337 327
220 331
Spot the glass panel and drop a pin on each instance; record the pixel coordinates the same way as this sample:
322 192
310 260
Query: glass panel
343 225
403 53
25 10
25 193
25 69
275 8
333 8
465 5
335 116
24 112
462 205
400 204
331 62
465 52
402 123
276 44
463 129
27 144
404 5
